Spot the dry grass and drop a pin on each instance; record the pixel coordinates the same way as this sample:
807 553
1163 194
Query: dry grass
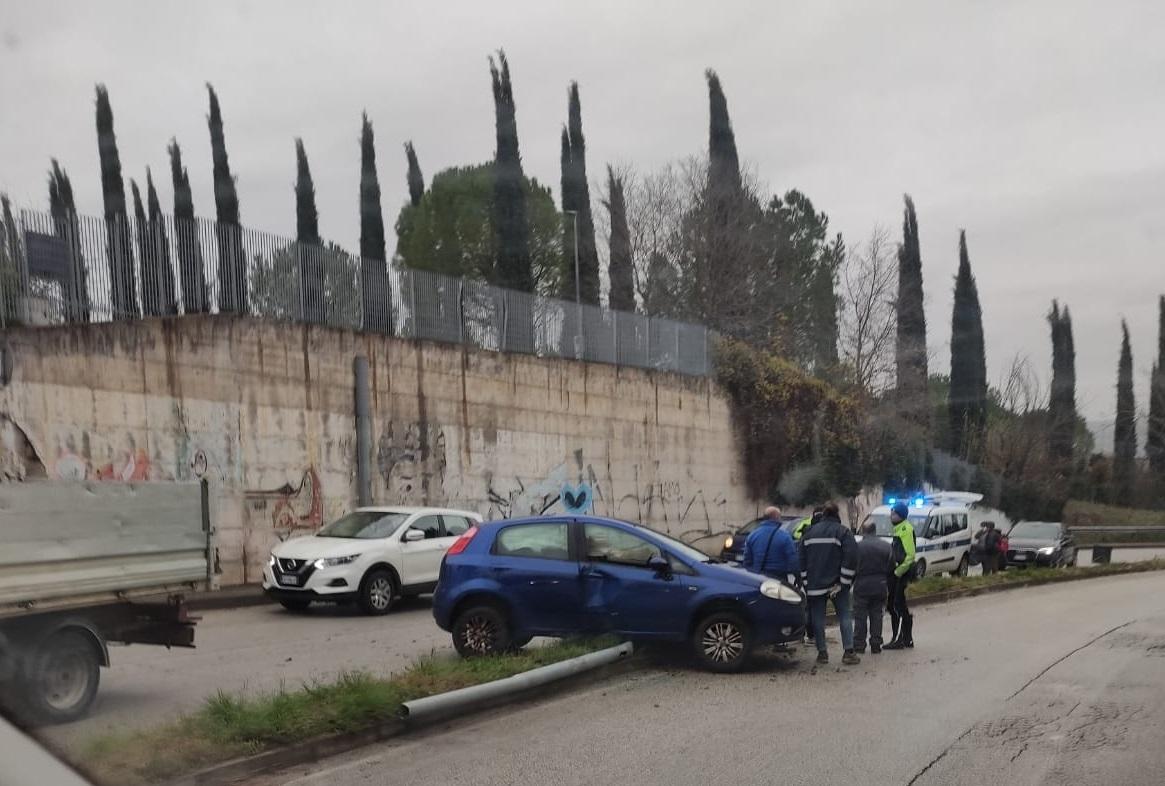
229 725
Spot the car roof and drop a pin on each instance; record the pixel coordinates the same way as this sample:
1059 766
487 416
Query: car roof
585 519
412 511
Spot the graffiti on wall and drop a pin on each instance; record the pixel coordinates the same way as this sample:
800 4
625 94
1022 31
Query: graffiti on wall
291 508
577 488
412 461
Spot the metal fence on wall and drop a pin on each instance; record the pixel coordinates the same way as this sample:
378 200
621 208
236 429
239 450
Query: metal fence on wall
87 269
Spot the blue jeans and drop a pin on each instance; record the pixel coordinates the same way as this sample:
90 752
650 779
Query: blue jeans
843 605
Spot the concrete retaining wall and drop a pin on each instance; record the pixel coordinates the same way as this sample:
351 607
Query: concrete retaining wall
265 412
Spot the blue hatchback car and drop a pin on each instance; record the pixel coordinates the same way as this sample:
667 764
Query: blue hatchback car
504 582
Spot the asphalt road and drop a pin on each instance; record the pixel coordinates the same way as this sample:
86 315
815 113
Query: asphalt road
254 649
1050 685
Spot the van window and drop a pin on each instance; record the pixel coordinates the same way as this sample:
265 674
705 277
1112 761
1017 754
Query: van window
956 522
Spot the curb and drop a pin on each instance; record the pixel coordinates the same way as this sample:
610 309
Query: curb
327 745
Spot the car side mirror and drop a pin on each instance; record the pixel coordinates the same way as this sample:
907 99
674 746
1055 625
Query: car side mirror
413 535
659 565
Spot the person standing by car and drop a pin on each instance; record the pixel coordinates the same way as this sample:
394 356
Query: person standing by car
903 559
770 550
829 560
871 588
990 543
798 533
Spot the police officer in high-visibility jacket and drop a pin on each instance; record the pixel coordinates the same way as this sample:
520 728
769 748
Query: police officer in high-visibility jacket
901 620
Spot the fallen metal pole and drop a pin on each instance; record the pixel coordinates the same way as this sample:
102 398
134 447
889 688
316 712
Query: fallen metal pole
465 699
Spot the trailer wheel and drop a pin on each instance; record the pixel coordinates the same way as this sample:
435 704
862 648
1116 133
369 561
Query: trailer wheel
62 677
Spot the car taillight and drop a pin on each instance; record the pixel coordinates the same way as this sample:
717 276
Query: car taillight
460 544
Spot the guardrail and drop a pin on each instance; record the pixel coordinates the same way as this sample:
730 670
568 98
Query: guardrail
1133 536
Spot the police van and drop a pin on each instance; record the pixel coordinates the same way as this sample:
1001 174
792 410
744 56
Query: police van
945 522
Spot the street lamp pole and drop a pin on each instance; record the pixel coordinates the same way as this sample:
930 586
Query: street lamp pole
577 294
578 336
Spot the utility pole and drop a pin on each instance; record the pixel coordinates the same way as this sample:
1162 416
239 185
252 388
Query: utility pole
578 336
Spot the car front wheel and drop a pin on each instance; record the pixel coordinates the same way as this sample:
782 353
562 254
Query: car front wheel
722 642
378 592
920 569
964 564
481 630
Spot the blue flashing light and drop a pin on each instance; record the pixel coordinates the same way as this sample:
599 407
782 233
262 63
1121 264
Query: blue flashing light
919 502
891 500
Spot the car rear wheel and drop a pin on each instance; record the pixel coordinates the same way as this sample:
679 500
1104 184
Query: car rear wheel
920 569
481 630
378 592
294 604
964 564
722 642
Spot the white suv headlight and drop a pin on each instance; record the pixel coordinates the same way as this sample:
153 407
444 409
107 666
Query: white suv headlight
331 562
778 591
1047 550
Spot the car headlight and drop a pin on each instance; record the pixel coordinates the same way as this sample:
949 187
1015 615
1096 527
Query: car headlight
331 562
271 561
779 591
728 542
1047 551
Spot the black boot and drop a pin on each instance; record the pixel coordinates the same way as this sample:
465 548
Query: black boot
908 632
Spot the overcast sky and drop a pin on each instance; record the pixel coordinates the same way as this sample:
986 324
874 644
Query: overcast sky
1039 127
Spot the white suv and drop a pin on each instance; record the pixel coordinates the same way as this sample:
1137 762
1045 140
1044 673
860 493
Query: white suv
372 556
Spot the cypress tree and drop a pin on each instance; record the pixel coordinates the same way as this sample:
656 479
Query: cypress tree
967 399
910 354
723 161
415 178
1124 429
1062 402
620 271
232 264
375 300
160 244
1155 446
9 273
511 223
190 267
122 283
576 196
64 212
307 236
150 303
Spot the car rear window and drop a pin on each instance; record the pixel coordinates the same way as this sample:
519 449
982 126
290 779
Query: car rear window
542 541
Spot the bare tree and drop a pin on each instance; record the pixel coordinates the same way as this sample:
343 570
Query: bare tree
869 281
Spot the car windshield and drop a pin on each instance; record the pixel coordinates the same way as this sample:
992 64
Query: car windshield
1036 530
364 524
885 528
683 549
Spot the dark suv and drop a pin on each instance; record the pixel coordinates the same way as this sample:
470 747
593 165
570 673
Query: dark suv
1042 543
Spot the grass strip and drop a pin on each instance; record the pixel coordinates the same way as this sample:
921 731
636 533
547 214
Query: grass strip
933 585
232 725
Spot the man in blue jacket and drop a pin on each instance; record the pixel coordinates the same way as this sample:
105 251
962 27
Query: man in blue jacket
829 560
770 550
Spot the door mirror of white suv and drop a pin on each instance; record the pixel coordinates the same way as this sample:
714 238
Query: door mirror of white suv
413 535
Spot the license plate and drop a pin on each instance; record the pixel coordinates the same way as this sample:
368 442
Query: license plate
292 580
1020 557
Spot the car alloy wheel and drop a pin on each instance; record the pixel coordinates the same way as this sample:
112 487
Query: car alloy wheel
722 642
481 630
920 569
964 564
378 592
